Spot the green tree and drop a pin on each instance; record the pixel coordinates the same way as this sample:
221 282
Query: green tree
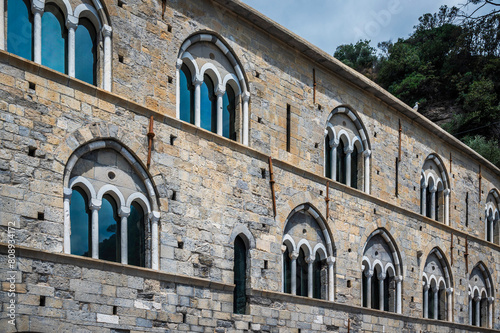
360 56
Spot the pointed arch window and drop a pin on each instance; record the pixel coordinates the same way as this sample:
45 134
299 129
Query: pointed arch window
80 223
86 52
136 236
20 28
240 276
437 287
435 190
346 142
481 297
109 230
492 217
216 86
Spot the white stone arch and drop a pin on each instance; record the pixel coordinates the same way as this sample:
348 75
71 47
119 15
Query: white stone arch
344 137
85 10
85 185
241 88
440 189
63 5
321 250
210 70
304 245
231 80
114 192
389 269
358 143
141 199
290 244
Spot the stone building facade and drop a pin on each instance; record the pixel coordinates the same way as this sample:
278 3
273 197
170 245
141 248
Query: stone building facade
281 191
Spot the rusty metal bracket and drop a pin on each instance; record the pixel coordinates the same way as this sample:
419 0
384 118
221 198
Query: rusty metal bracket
451 250
271 181
151 135
466 254
327 200
480 181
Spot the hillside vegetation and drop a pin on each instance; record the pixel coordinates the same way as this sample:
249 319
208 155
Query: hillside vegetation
449 67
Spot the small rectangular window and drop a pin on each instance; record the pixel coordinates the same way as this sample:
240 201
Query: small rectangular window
288 116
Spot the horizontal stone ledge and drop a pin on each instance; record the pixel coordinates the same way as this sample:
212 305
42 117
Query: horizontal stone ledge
109 266
355 310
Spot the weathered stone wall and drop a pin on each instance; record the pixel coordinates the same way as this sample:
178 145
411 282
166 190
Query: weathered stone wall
209 186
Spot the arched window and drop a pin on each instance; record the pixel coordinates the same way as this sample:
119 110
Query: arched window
80 223
186 95
136 236
54 39
381 273
437 287
86 52
228 114
109 230
208 104
307 255
481 297
345 141
108 191
492 218
20 28
240 276
216 86
435 191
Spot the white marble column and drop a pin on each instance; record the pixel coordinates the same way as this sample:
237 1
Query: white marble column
293 257
446 194
330 261
366 154
477 303
423 203
67 192
154 217
449 302
333 158
37 8
470 309
348 151
310 262
95 205
197 82
369 275
490 311
433 203
106 32
2 25
435 291
381 278
219 92
124 213
426 300
399 280
246 98
72 25
178 66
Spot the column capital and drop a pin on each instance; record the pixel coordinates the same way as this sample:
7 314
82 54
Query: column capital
124 211
178 63
294 255
106 31
398 278
154 216
245 96
447 191
381 276
433 189
489 218
330 260
220 90
426 286
435 288
348 150
37 7
449 290
367 153
491 299
369 273
95 204
197 80
310 259
477 298
333 143
67 192
71 22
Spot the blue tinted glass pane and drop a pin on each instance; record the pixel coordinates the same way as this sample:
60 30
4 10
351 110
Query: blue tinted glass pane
135 236
228 113
85 52
53 39
205 107
80 220
186 91
108 230
19 29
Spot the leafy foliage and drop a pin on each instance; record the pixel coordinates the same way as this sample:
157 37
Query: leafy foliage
450 65
489 149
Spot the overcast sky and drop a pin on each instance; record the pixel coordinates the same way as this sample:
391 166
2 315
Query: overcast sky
330 23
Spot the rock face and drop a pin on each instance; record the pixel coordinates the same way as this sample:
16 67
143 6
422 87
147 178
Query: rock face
409 200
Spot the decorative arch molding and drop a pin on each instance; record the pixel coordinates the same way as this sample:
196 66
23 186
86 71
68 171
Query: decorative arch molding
237 79
435 190
150 206
354 140
380 264
245 234
492 216
316 247
481 296
96 14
